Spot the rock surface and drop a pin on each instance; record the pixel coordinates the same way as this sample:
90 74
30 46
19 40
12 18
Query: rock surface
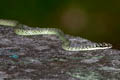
41 57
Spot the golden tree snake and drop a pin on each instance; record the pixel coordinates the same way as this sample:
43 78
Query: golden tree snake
19 30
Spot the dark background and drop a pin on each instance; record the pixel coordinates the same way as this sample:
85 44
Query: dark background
96 20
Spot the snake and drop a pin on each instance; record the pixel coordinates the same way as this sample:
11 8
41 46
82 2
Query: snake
66 44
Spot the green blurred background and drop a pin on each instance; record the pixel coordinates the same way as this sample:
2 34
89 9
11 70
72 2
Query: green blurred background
96 20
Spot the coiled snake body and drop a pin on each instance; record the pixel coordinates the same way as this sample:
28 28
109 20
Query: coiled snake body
18 29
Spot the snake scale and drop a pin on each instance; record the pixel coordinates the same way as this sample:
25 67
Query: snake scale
19 30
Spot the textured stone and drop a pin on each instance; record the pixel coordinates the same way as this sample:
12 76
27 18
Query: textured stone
41 57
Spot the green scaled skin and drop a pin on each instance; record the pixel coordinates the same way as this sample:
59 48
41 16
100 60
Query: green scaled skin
52 31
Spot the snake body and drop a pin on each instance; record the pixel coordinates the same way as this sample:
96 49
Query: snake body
19 30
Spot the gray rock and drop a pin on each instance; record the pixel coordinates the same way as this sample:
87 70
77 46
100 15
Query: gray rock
41 57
